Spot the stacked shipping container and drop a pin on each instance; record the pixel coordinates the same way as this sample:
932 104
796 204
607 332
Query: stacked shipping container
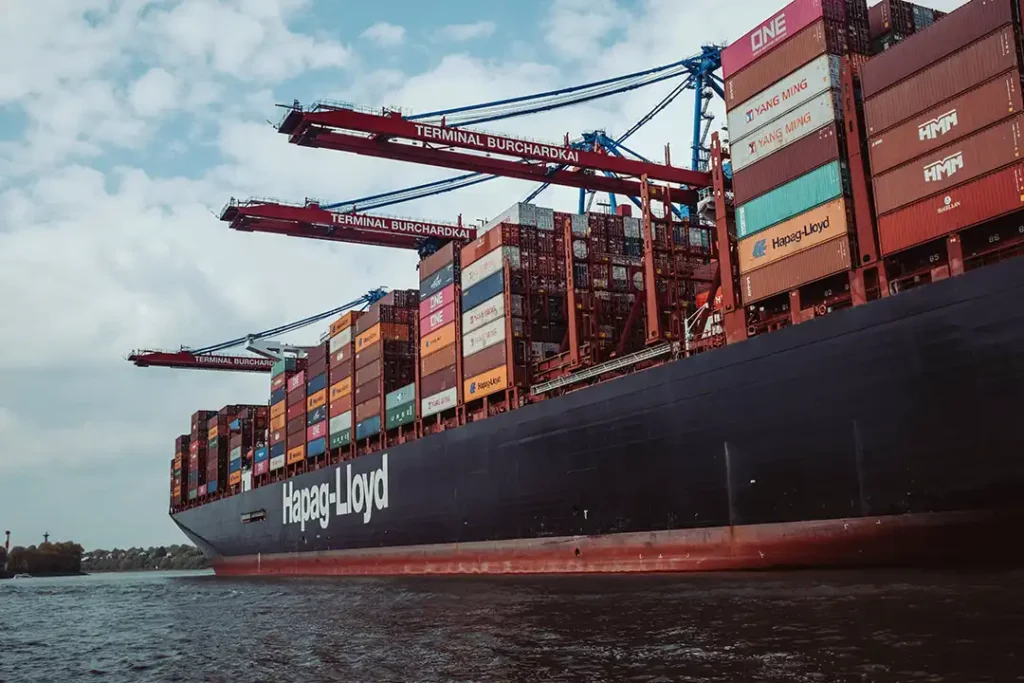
790 171
892 21
943 112
385 357
197 449
316 402
440 336
295 415
180 470
342 352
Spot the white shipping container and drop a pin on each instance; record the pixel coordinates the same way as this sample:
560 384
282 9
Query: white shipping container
236 453
518 214
341 340
545 218
277 463
246 480
485 313
479 270
632 226
482 338
340 423
437 403
793 90
580 226
512 256
784 131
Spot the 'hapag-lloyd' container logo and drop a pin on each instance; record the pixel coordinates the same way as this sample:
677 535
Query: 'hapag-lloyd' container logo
361 494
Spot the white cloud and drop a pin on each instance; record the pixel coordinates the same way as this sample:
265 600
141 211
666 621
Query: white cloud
384 34
575 29
459 32
154 93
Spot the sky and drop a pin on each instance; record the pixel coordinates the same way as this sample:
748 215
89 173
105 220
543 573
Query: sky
126 125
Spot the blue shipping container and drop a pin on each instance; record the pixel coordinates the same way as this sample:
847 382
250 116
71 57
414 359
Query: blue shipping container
235 466
488 288
211 487
261 454
315 448
284 365
368 427
316 384
436 281
235 426
278 395
318 415
792 199
277 449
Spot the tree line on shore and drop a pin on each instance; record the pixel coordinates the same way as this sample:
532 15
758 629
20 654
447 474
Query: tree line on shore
70 558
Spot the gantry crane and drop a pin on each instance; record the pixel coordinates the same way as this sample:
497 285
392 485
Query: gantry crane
268 352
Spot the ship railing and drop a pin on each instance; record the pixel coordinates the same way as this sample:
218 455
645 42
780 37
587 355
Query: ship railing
603 368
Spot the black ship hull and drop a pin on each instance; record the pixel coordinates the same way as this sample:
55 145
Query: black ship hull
880 434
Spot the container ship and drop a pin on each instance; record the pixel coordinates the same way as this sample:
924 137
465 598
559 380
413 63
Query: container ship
818 366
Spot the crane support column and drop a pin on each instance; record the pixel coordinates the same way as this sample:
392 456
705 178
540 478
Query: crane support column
733 314
654 334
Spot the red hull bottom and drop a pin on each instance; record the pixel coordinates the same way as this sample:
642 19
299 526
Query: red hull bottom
919 539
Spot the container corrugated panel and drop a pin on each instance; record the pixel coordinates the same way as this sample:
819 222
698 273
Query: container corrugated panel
368 372
952 165
278 396
437 301
368 338
316 400
339 406
793 198
341 388
787 130
770 34
277 434
958 73
947 122
368 427
439 381
440 258
480 246
340 438
400 415
261 467
439 359
296 425
799 158
482 291
800 269
316 384
480 338
435 282
341 340
436 340
790 92
315 448
986 198
482 268
962 27
295 381
278 462
487 312
340 422
277 410
317 415
485 383
790 56
438 319
485 360
790 237
296 411
438 403
364 392
368 409
367 356
399 397
316 431
262 453
296 454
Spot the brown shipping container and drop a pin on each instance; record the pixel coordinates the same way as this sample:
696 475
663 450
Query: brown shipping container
785 59
482 361
340 405
296 425
296 410
799 269
318 352
949 166
369 319
297 395
368 409
961 27
986 198
343 355
364 392
956 74
317 367
438 360
341 371
947 122
278 382
439 259
277 436
789 163
481 246
438 382
368 372
368 355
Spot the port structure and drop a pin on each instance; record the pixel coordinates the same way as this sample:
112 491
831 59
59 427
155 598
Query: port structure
265 351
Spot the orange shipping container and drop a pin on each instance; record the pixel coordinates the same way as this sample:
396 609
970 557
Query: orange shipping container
800 269
485 383
344 322
368 338
438 339
341 389
368 409
316 400
277 410
481 246
297 454
235 478
278 422
212 433
794 235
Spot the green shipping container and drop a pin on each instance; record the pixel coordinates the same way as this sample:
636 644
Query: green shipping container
400 397
212 445
193 493
402 415
795 197
285 365
342 438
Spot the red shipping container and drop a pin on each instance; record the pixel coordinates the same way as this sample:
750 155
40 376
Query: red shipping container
962 207
340 371
296 396
317 367
368 409
770 34
296 380
439 360
365 392
947 122
278 382
261 467
277 436
958 73
482 361
955 164
435 302
295 426
797 270
438 382
296 410
789 163
339 406
368 372
961 27
368 355
315 353
316 431
482 246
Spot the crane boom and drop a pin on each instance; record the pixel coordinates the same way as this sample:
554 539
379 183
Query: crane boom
200 361
310 220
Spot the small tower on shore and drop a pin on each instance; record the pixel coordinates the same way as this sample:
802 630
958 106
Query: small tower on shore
7 546
46 537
